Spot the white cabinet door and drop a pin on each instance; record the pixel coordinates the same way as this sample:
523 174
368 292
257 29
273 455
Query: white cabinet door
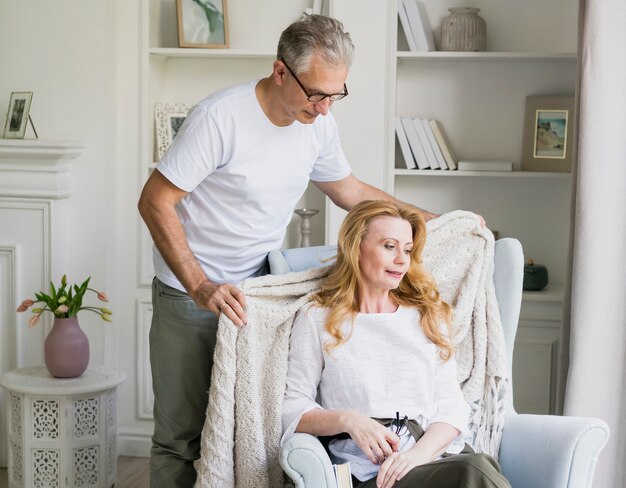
537 353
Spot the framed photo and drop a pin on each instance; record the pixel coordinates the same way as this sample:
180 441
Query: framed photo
202 23
548 134
168 118
17 115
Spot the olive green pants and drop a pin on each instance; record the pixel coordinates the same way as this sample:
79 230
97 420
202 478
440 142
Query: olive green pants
464 470
456 471
182 341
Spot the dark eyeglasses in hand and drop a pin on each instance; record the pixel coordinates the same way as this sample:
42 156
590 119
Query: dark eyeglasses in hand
400 424
317 97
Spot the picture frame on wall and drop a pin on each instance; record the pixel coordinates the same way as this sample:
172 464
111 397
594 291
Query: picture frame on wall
202 23
548 134
17 115
168 118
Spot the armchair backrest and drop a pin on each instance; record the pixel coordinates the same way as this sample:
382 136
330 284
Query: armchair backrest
300 258
508 277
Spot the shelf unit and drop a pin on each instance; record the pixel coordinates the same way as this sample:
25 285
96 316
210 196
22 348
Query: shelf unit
187 75
485 56
176 52
478 174
479 99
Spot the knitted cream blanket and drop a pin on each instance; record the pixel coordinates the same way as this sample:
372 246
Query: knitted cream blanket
250 364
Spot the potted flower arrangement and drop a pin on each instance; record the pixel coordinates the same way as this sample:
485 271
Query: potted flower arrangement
66 349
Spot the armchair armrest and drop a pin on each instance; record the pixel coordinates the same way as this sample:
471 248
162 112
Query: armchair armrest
546 451
307 463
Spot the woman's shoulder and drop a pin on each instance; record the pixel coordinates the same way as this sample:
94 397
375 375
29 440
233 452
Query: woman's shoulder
313 314
309 324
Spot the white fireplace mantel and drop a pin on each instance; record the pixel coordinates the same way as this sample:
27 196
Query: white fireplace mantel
37 168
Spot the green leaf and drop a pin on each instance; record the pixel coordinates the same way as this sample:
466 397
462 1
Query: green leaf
53 291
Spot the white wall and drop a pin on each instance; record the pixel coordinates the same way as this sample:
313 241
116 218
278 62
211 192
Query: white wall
63 51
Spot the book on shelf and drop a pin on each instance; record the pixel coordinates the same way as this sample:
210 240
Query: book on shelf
441 161
485 165
444 144
406 27
407 155
414 143
423 138
420 26
343 475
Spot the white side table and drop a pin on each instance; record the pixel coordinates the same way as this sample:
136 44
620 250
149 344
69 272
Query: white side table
62 432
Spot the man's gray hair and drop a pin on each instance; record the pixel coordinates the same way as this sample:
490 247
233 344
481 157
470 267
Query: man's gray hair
315 35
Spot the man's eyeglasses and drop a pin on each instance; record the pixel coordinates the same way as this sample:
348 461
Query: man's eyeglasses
317 97
401 425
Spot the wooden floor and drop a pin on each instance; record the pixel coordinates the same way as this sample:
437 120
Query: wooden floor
132 472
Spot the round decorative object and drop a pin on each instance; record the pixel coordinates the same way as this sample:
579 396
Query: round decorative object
463 30
66 350
535 276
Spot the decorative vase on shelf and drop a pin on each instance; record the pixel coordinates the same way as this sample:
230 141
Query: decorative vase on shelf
66 349
463 30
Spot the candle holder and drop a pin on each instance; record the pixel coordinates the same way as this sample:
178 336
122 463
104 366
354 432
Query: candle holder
305 226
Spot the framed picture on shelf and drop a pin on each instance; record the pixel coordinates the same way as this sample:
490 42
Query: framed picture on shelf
548 134
202 23
17 115
168 118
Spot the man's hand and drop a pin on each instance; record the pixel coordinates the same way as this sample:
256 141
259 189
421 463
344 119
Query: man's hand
375 440
225 298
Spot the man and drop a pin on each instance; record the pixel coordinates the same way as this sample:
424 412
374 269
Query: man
220 200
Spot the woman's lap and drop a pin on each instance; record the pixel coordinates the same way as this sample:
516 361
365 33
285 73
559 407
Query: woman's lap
457 471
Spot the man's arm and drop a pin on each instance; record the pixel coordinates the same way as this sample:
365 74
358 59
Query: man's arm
157 208
348 192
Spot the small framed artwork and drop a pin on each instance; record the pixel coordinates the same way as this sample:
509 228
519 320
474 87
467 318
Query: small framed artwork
548 134
17 115
202 23
168 118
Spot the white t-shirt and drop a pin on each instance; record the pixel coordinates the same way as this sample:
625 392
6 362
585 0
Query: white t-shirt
388 365
244 176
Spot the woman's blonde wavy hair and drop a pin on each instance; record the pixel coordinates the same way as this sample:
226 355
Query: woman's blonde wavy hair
340 291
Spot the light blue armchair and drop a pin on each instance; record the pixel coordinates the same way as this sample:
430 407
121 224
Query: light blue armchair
537 451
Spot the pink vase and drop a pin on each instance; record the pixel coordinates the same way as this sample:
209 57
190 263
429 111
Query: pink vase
66 350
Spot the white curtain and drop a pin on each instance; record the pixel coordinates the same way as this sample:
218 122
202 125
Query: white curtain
595 311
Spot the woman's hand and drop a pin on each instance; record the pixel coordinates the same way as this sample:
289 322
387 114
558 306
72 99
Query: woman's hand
431 445
376 441
399 464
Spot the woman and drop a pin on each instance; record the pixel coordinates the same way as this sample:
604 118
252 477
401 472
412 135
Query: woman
375 346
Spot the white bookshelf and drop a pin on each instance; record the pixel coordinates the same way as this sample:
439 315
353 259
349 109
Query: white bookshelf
479 99
187 75
485 56
173 52
477 174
